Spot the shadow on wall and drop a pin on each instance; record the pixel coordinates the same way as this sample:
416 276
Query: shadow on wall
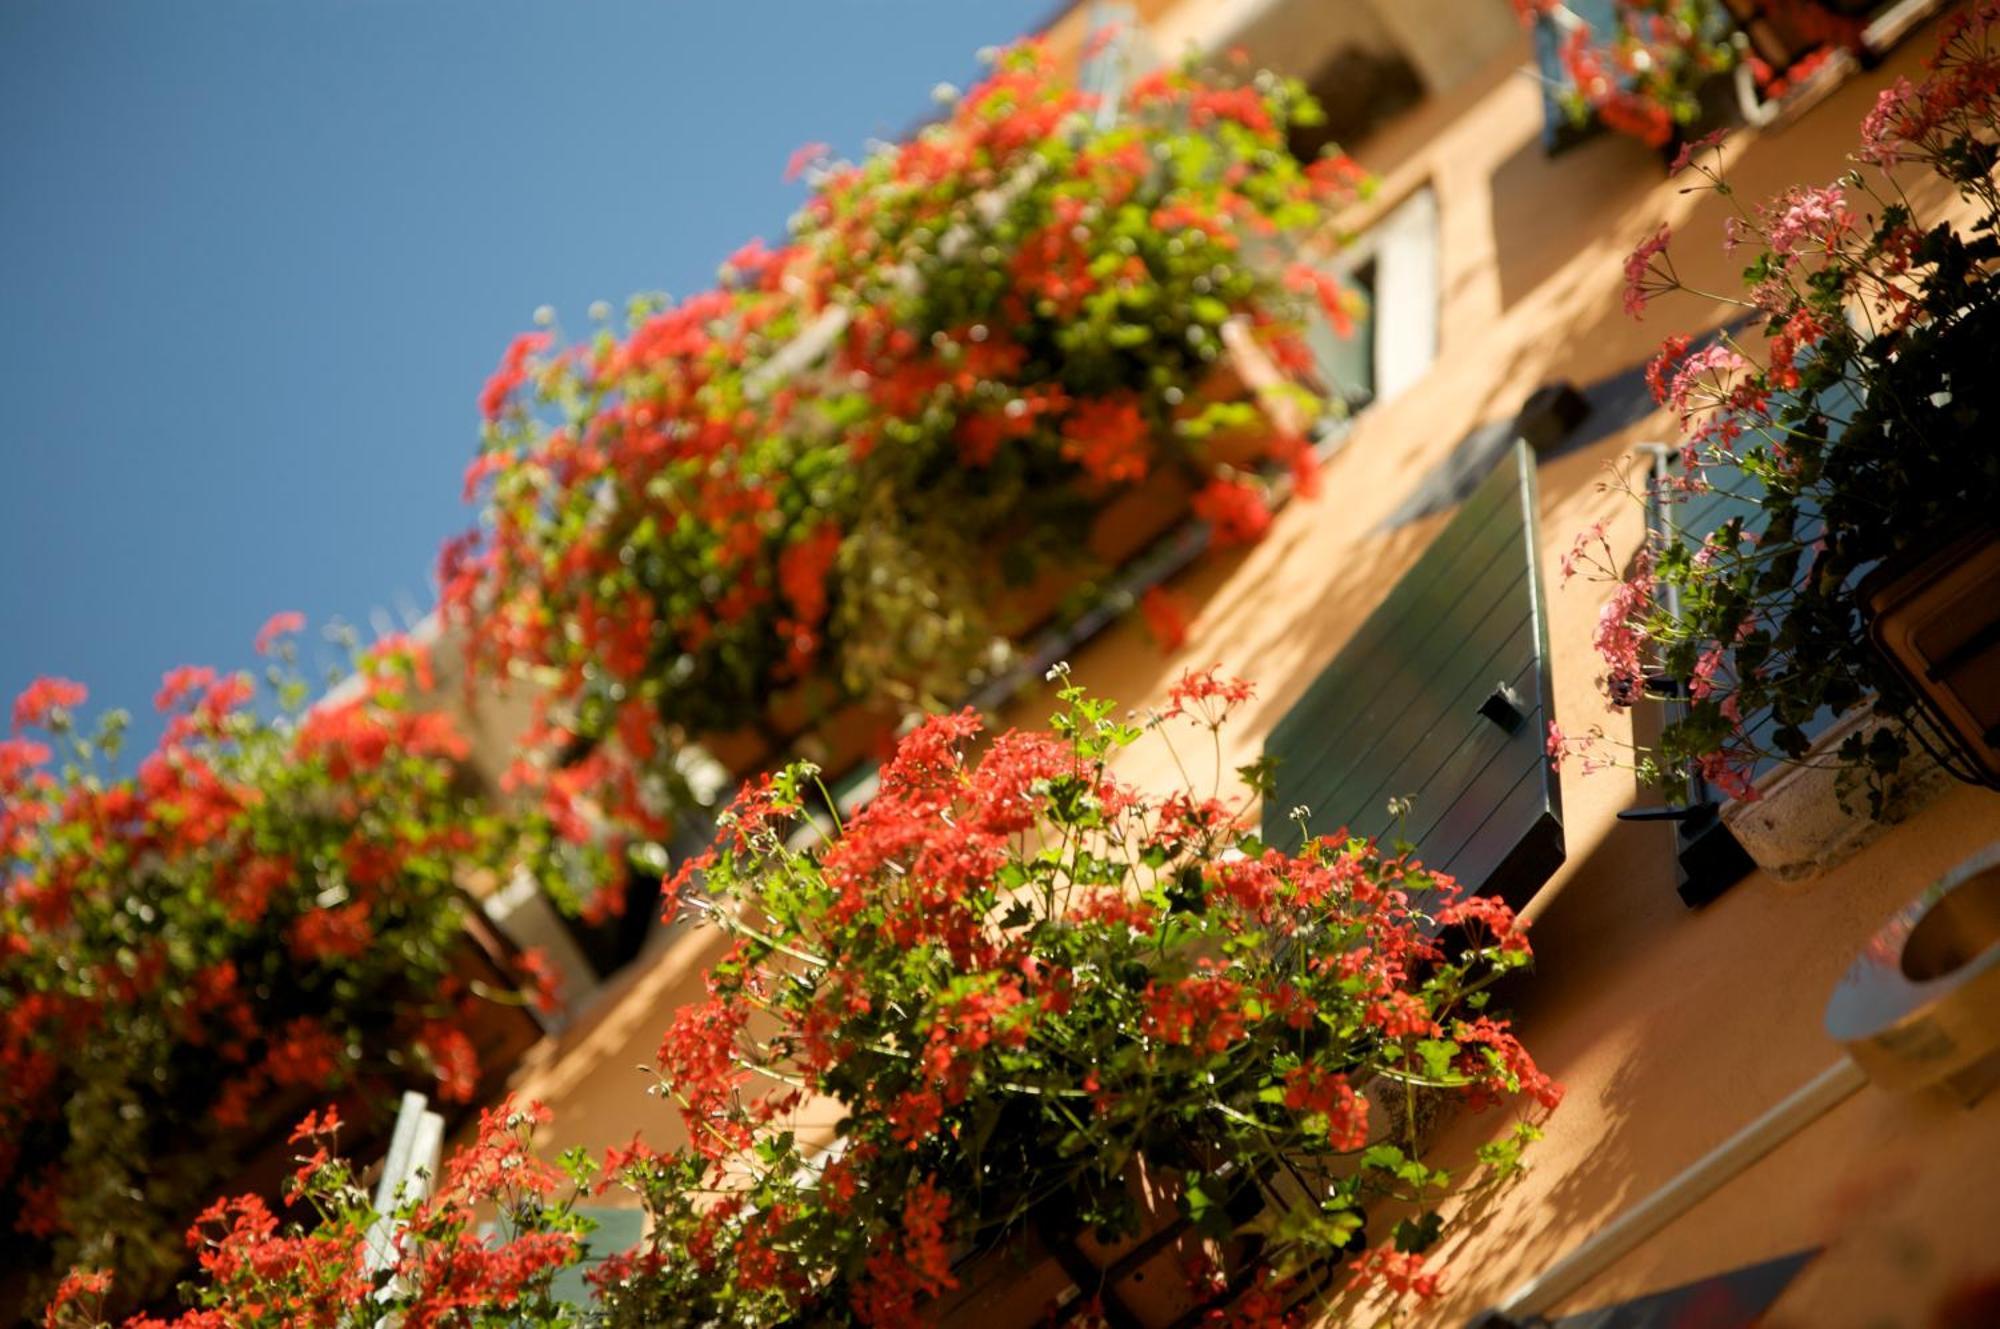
1317 620
1546 210
1275 630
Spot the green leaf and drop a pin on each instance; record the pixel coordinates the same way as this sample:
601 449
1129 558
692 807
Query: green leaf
1437 1055
1416 1237
1386 1157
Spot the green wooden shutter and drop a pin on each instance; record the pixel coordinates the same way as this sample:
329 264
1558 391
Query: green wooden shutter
1398 714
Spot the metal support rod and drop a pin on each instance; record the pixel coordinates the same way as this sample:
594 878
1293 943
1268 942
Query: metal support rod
1703 1178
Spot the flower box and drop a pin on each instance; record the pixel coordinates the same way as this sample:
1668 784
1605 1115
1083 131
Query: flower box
1936 616
1809 815
1140 1279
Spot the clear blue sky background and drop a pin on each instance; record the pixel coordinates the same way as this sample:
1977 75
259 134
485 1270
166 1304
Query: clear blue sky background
258 257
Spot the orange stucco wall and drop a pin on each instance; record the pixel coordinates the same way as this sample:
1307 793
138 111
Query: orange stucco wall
1670 1028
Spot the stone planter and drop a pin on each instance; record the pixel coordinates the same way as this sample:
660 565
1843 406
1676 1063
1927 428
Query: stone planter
1805 819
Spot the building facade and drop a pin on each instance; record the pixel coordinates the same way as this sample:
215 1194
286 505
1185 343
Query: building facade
1493 269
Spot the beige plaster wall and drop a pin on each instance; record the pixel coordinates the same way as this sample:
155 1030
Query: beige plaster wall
1669 1028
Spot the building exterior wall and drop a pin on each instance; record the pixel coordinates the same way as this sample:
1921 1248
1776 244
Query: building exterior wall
1669 1028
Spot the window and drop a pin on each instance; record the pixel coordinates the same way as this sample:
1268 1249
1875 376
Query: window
1559 130
1345 366
1393 267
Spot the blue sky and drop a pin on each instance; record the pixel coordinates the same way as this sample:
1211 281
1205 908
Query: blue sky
260 255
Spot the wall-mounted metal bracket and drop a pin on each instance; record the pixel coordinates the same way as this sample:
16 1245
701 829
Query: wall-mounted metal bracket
1706 852
1504 707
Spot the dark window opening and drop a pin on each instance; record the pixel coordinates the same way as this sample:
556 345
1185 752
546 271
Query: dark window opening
1359 90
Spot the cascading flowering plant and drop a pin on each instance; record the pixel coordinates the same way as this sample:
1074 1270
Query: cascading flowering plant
822 479
1848 432
1644 75
1017 982
260 915
429 1262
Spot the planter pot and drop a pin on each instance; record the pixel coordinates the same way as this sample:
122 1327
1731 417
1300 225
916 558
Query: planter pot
1050 1272
1123 529
1127 525
501 1032
1804 821
835 736
741 752
1936 617
1242 446
846 738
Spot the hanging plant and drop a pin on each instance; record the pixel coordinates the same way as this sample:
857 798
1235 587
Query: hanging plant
265 914
1848 439
828 481
1013 1004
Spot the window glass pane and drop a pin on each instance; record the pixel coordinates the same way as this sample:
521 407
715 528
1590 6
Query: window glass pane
1345 365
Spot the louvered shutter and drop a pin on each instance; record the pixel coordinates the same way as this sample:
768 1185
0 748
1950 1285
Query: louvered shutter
1442 697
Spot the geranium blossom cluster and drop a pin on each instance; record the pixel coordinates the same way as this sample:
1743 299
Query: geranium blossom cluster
1643 75
823 481
260 916
1017 983
1043 1004
481 1251
1844 429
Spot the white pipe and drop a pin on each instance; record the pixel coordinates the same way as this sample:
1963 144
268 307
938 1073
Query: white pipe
1703 1178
